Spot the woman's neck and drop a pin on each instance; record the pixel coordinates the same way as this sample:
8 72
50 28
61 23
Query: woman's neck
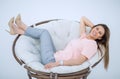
89 37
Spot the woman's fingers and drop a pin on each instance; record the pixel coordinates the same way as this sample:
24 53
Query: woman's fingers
49 65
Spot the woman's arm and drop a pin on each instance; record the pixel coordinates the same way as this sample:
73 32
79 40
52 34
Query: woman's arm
71 62
83 23
77 61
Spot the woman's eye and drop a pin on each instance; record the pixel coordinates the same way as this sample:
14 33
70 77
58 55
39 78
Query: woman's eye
97 28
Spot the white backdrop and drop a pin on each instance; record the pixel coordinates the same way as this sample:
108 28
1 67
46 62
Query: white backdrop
32 11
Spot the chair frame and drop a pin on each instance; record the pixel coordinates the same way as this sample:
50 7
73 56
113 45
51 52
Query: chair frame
82 74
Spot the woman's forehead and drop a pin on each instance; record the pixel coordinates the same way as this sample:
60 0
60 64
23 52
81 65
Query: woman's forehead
101 28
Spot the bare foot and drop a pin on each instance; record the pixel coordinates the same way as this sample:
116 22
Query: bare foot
19 23
10 23
17 30
13 28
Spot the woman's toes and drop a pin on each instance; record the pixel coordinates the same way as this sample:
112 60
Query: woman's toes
11 21
17 30
18 19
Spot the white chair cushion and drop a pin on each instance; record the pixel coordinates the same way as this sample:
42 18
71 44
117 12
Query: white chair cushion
62 31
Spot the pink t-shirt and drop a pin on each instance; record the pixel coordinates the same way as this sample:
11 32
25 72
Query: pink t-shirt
77 47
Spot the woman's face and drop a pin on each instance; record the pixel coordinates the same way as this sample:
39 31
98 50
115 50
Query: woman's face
97 32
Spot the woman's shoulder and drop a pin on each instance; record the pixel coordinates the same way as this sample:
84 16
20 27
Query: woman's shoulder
91 43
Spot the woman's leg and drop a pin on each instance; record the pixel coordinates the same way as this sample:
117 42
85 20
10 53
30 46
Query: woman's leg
46 44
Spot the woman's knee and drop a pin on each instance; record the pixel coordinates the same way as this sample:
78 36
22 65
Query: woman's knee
45 31
46 34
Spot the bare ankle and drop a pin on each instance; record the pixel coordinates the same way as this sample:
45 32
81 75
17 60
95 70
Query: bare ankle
18 30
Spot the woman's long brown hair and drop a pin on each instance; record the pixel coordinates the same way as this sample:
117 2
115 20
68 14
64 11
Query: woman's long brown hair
103 44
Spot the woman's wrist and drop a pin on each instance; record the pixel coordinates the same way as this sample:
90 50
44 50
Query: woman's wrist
60 63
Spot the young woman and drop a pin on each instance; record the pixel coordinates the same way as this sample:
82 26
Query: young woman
76 52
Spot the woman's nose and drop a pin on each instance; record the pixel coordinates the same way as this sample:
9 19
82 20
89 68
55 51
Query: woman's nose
97 31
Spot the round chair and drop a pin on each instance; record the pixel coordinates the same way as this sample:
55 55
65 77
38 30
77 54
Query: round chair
26 51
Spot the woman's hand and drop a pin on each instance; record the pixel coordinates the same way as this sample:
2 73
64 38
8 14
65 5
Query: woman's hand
51 65
83 23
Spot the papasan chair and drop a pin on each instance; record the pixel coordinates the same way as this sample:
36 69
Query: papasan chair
26 51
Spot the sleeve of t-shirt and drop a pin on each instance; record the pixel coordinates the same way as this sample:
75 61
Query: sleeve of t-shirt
89 50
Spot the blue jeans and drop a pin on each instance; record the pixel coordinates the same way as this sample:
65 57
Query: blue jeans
47 47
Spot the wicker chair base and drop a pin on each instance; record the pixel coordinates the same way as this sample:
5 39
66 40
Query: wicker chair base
42 75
